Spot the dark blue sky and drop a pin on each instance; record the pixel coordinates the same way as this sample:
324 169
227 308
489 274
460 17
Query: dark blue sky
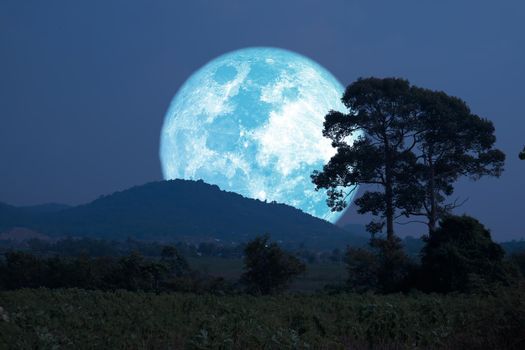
84 85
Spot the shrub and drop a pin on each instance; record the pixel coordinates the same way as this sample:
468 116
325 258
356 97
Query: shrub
461 256
268 268
385 269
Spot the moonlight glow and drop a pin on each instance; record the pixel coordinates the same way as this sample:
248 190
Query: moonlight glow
251 122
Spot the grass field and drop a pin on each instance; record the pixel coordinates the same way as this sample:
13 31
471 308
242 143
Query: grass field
316 276
78 319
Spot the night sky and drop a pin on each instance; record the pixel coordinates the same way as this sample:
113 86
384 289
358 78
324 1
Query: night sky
84 85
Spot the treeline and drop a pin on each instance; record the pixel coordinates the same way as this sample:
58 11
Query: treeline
459 257
92 247
72 247
268 269
103 248
133 272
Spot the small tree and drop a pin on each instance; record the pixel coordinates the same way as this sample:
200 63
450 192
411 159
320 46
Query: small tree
177 264
362 266
132 273
459 255
267 267
385 268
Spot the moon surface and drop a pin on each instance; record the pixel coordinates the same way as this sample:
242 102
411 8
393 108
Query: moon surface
251 122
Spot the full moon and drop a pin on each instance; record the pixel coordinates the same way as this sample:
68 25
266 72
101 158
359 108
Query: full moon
251 122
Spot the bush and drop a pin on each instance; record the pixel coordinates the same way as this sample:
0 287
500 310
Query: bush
461 256
384 269
362 266
268 268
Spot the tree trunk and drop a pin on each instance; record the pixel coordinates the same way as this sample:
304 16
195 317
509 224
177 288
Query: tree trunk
432 215
389 209
389 194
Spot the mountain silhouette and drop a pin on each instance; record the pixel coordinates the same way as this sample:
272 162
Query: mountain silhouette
179 210
46 208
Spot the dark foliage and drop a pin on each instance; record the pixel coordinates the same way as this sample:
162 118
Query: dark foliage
380 113
413 144
395 268
518 259
385 268
72 247
450 142
174 261
461 256
132 272
79 319
268 268
362 266
522 154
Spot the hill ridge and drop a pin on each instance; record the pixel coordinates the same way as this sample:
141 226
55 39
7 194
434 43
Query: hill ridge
184 210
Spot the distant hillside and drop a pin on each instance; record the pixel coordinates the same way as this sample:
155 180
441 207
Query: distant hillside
46 208
180 210
11 217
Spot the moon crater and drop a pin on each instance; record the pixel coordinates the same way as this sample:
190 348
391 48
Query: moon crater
251 122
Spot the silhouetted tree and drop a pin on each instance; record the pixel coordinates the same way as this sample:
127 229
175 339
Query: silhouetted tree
157 271
134 273
380 114
414 145
394 268
459 255
451 142
131 272
522 154
176 263
267 267
22 270
385 268
362 266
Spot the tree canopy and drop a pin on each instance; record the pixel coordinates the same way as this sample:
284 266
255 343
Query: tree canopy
380 116
459 255
451 142
268 268
411 145
386 268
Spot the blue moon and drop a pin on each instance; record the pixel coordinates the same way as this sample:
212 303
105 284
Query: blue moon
250 122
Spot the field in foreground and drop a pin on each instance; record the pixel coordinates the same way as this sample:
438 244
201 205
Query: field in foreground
315 278
56 319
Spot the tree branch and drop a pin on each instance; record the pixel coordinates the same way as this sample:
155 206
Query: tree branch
411 222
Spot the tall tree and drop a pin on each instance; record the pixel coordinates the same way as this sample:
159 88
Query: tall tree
380 114
452 142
